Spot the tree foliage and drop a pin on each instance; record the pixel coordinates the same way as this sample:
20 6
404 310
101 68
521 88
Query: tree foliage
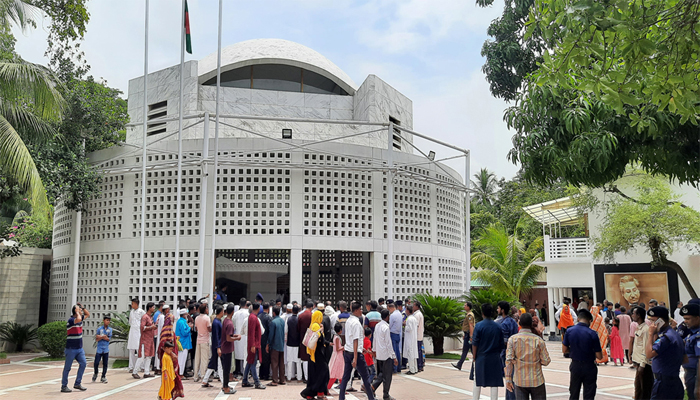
481 296
505 263
652 218
614 83
484 187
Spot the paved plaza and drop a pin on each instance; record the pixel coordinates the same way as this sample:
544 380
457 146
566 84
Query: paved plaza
24 380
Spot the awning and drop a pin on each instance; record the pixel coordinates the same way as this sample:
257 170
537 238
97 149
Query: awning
559 211
224 264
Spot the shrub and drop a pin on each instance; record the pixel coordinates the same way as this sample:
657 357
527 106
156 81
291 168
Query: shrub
3 356
32 232
483 296
52 338
443 318
17 334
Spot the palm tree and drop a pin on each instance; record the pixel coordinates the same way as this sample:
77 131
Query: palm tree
503 262
484 187
29 102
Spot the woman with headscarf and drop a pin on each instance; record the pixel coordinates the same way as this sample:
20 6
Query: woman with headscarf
319 375
598 325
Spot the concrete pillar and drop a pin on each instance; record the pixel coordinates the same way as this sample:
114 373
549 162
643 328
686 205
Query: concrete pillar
338 276
551 309
366 276
295 274
379 281
313 279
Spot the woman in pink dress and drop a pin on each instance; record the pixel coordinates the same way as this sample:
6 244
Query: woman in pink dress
337 364
616 350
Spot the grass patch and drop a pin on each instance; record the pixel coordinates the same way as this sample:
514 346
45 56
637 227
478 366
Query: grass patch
41 359
120 364
444 356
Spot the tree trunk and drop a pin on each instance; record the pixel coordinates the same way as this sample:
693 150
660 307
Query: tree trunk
438 345
684 278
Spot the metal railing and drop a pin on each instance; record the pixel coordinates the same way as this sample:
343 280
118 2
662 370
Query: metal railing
562 249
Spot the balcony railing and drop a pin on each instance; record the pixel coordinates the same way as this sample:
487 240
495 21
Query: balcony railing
563 249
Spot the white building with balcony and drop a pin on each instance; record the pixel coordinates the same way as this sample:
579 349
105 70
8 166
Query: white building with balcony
572 271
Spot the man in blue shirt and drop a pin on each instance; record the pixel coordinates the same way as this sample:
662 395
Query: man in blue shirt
216 328
275 346
103 335
509 327
74 348
666 349
582 345
691 316
395 330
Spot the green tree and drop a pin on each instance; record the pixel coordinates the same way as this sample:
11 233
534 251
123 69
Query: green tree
505 263
652 217
443 318
484 187
593 101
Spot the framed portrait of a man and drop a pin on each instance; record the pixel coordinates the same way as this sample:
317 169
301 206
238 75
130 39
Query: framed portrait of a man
635 284
636 288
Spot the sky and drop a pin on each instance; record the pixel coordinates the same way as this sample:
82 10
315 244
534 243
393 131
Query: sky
427 50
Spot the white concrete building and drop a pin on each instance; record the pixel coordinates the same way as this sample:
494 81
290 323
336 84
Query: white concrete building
573 272
306 216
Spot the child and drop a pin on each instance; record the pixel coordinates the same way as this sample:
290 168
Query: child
368 354
103 335
616 351
171 385
337 364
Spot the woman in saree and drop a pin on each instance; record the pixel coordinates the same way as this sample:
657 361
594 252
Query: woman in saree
598 325
319 375
167 335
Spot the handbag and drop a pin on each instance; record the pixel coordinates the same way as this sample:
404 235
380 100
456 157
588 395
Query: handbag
310 339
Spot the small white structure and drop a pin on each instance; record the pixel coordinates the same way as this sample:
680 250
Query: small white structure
343 209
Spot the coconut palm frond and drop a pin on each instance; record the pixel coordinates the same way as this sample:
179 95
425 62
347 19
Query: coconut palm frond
18 12
25 121
16 161
32 82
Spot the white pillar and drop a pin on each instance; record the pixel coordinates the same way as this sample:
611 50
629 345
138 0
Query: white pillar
295 274
203 211
76 260
390 209
467 224
551 309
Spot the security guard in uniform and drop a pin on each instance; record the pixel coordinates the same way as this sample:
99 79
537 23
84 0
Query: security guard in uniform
666 349
691 317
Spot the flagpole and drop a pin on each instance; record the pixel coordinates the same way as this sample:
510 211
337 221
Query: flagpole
179 155
216 148
143 158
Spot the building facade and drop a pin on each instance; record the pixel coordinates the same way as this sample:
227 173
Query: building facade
287 217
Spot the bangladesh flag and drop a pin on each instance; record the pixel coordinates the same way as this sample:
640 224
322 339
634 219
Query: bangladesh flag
188 37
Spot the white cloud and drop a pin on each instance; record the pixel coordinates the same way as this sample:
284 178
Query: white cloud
400 26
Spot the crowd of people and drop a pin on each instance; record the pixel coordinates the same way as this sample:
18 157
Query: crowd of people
322 345
314 343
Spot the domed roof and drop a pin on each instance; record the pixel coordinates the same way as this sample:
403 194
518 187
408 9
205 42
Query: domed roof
274 51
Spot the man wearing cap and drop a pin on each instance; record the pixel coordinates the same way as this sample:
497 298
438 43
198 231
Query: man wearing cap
160 321
582 345
666 349
691 317
183 330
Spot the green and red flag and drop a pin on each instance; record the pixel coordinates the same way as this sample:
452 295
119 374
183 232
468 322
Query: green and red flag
188 37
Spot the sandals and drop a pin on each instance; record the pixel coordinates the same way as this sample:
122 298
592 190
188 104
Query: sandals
206 385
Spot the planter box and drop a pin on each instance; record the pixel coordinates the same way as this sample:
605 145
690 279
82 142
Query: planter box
4 361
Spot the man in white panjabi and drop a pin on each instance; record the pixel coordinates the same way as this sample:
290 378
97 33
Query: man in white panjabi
134 333
240 321
410 342
160 322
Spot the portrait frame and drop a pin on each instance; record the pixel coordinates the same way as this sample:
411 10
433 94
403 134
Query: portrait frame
647 276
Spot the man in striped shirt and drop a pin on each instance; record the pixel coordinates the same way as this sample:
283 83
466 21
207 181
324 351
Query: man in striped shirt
74 348
525 356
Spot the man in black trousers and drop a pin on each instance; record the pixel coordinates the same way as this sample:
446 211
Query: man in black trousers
386 358
582 345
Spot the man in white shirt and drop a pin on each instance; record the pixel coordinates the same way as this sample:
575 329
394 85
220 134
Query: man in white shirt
159 322
354 338
134 332
240 351
677 314
421 328
384 352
